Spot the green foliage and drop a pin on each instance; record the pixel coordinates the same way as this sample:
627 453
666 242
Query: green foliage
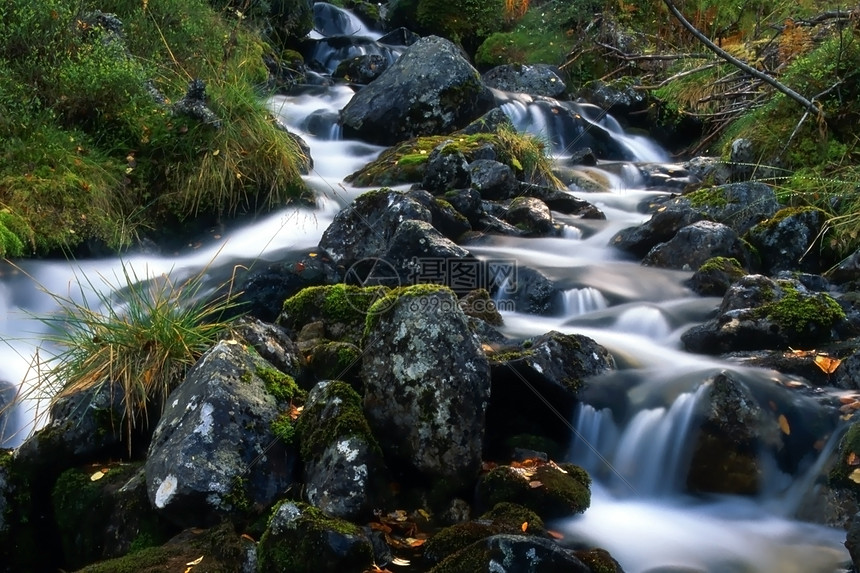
139 337
543 35
92 151
461 20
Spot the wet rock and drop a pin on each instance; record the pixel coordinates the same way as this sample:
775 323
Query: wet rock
264 289
619 98
432 89
715 276
725 457
339 310
363 230
554 366
513 554
552 491
272 342
493 180
847 270
419 253
759 313
738 205
468 203
446 169
478 304
561 201
427 385
301 538
528 291
399 37
344 470
709 169
361 69
694 244
536 79
852 540
660 228
329 360
785 241
444 216
204 462
530 215
743 160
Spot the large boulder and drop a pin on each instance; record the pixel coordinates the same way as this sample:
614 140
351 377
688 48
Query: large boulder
695 244
344 471
785 242
427 385
214 453
536 79
738 205
432 89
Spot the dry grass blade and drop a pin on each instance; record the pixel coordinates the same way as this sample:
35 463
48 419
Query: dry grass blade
139 337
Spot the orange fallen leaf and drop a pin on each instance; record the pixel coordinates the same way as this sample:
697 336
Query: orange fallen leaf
555 534
783 425
853 459
827 364
247 537
415 542
525 525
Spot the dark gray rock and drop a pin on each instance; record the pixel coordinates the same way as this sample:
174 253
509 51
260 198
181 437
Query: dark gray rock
302 538
695 244
493 180
532 216
427 386
467 202
529 292
738 205
193 105
272 342
561 201
446 169
760 313
213 450
513 554
536 79
364 229
344 470
852 541
785 242
444 216
660 228
432 89
715 276
553 366
417 251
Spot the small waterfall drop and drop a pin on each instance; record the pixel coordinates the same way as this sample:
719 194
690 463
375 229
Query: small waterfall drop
579 301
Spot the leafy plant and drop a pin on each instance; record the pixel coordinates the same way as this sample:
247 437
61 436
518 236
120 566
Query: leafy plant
139 337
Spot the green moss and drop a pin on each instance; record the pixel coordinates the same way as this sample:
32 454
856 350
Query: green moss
345 304
849 447
386 303
310 544
513 515
316 434
283 428
722 264
452 539
801 312
405 162
280 385
563 490
711 197
335 361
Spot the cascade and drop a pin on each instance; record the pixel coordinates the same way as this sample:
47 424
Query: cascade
635 439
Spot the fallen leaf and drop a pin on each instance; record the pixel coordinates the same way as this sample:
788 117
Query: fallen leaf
853 459
535 484
415 542
827 364
97 476
847 399
855 476
399 561
196 561
525 525
783 425
555 534
247 537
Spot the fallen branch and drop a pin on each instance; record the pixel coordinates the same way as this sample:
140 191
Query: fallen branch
782 88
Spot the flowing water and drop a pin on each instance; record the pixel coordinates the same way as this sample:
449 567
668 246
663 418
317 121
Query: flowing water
638 457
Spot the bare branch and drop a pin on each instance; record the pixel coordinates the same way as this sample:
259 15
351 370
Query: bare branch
808 105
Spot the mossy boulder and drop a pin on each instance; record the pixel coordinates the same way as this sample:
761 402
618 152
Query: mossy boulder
554 366
345 475
336 361
715 276
301 538
427 384
513 554
341 308
431 89
761 313
786 241
551 490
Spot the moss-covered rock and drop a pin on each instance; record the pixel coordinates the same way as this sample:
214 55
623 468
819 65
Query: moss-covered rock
550 490
342 308
301 538
715 276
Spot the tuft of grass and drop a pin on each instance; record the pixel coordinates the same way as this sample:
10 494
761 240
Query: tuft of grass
139 337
